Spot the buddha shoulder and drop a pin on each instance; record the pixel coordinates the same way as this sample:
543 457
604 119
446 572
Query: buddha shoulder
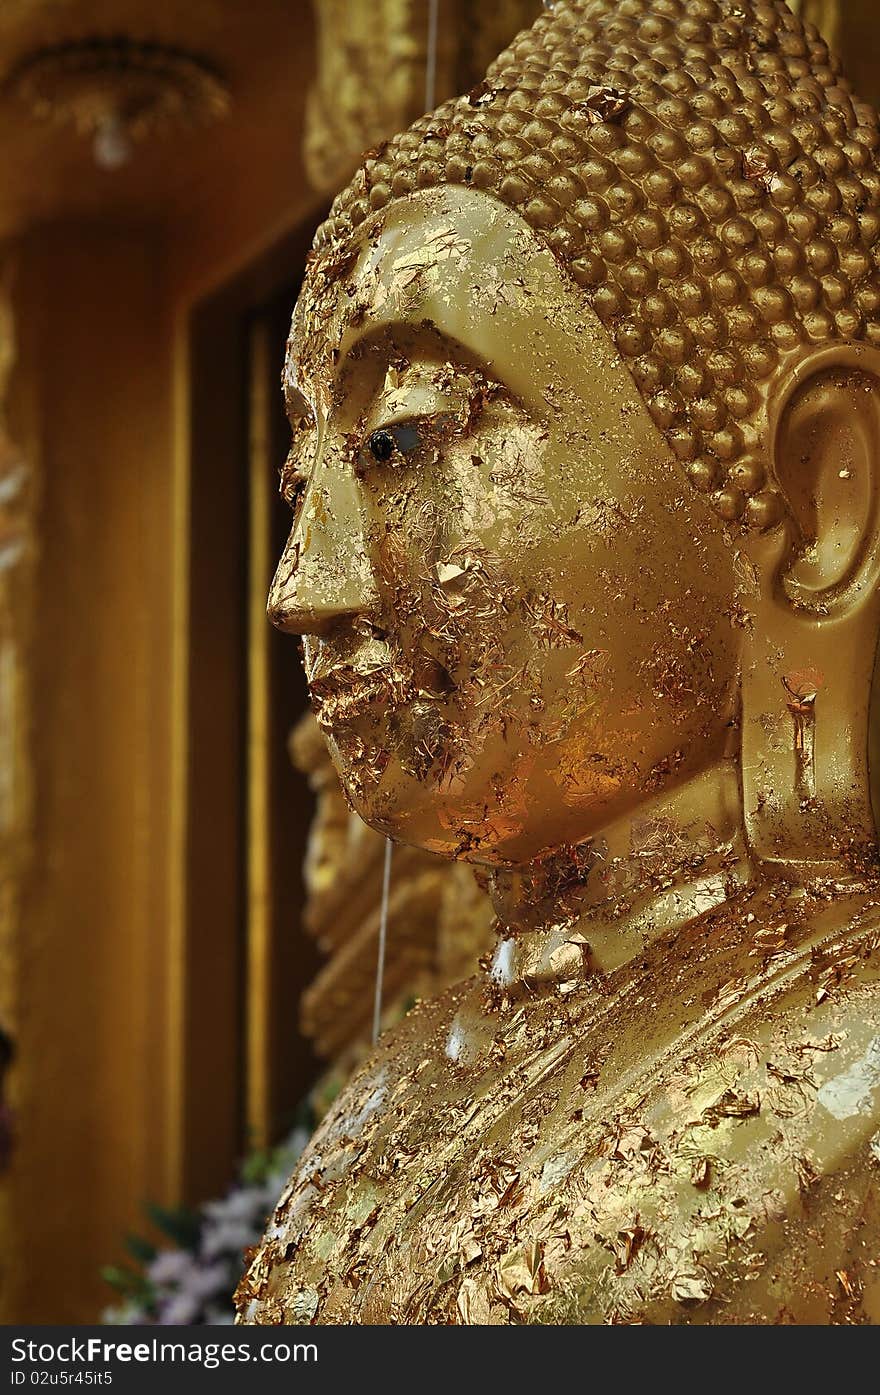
689 1139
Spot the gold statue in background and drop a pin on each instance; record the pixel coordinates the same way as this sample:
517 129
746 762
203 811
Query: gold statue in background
586 554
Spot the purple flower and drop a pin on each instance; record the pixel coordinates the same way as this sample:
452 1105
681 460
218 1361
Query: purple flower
229 1238
180 1311
169 1267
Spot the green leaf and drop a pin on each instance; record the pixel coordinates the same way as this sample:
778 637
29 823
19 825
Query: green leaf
126 1281
140 1249
255 1168
183 1226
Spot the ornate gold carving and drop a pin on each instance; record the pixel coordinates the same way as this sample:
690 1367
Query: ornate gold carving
101 85
371 70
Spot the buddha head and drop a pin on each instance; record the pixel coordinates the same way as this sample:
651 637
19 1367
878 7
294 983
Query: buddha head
585 385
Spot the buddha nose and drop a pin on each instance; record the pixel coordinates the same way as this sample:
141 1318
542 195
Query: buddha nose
325 572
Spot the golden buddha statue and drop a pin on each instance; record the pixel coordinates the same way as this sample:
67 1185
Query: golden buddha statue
586 554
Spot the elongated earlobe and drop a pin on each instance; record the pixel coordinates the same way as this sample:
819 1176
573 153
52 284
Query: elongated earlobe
808 662
827 461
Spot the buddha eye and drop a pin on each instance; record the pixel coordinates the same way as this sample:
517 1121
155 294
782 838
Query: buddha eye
295 489
381 445
292 483
293 492
393 441
295 471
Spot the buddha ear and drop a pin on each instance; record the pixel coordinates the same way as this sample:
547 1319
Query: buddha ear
826 458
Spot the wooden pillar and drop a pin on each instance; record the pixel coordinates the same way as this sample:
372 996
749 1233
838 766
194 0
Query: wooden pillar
86 981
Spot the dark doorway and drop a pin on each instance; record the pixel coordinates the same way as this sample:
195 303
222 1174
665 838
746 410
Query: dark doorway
246 1065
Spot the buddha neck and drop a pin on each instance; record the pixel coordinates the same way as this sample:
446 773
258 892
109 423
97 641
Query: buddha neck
594 907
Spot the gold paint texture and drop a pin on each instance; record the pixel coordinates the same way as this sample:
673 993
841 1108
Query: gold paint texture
643 710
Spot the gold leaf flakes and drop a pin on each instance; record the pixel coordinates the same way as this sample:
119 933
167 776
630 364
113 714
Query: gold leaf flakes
757 168
627 1244
730 1105
549 622
303 1305
603 104
473 1304
831 1042
848 1283
691 1286
522 1270
448 572
807 1174
470 1251
727 996
701 1173
771 937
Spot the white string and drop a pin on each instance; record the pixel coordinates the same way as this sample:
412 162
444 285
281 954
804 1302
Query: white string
383 935
431 65
430 86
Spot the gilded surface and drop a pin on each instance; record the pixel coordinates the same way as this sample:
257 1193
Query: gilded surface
586 554
707 177
439 922
683 1140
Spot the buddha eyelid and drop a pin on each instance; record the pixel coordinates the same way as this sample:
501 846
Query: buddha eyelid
407 428
395 421
420 402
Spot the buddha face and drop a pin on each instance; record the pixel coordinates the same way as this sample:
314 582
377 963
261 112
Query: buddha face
521 621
